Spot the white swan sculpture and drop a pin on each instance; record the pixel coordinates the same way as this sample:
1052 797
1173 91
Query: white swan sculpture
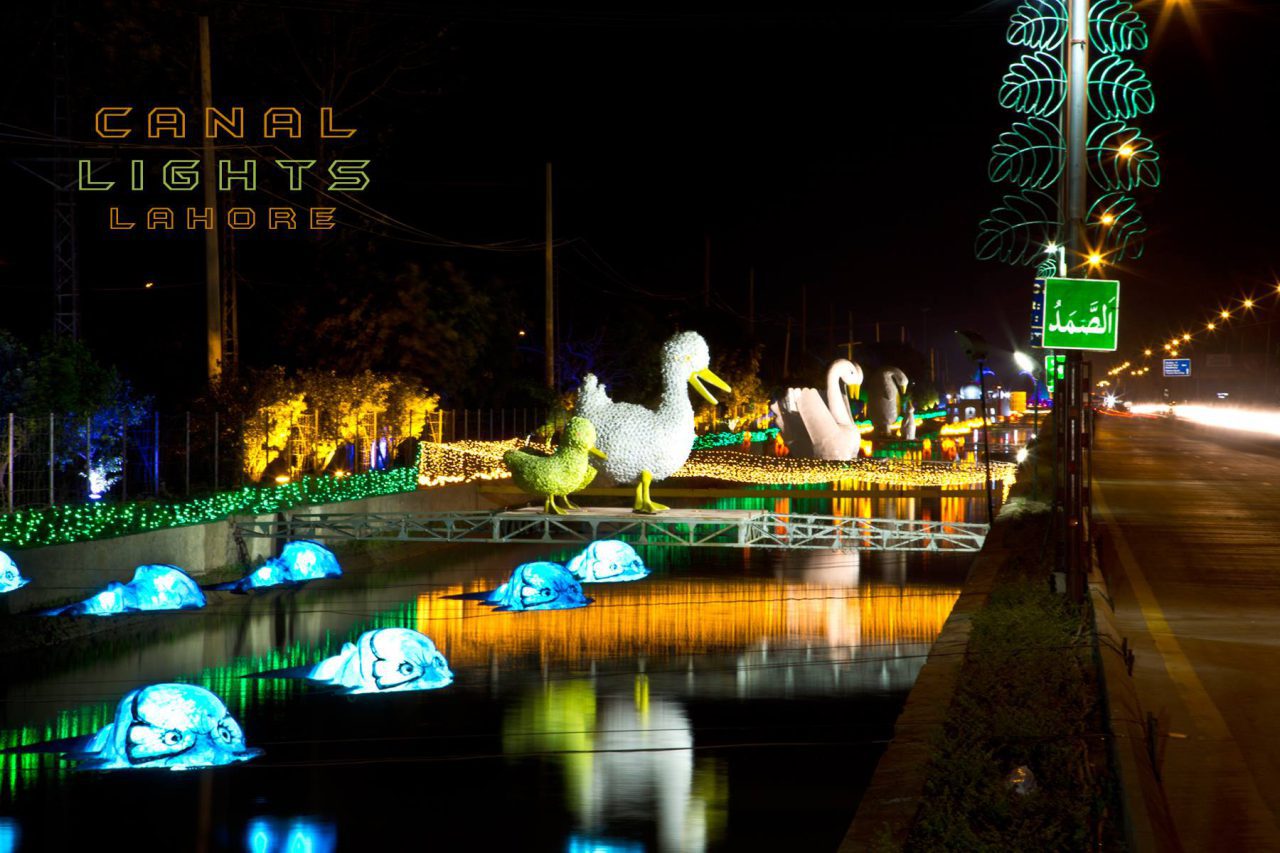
884 393
817 430
643 445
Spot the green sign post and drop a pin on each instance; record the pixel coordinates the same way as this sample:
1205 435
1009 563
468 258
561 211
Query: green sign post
1081 314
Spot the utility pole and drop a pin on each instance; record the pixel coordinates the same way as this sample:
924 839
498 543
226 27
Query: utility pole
786 353
804 319
706 270
212 276
549 270
66 281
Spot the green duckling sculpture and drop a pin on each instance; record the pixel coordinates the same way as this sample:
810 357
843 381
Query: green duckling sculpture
567 470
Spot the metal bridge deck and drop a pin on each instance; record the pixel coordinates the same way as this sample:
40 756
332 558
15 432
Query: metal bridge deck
679 527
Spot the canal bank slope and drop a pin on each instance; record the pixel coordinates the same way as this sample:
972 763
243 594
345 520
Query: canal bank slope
62 573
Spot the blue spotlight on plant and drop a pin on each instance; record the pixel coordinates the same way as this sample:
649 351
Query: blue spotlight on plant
299 562
168 726
539 586
607 561
10 577
153 588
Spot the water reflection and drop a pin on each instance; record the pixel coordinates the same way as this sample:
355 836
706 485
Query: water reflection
665 618
628 705
628 761
290 835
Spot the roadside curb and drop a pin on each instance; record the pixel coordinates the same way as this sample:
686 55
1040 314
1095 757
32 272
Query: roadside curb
889 806
1148 826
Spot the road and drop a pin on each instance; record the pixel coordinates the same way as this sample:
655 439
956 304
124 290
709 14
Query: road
1192 554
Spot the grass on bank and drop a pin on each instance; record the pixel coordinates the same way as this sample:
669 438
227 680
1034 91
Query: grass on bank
1028 695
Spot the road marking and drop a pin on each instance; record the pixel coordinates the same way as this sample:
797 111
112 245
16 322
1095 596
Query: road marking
1206 714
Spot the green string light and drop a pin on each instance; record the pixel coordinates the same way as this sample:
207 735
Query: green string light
60 525
1115 27
1117 225
1035 85
1018 230
1038 25
1121 158
1119 89
1030 155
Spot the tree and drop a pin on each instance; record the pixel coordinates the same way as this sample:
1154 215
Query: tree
433 325
15 377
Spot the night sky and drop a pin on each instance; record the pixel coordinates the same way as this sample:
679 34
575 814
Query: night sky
845 153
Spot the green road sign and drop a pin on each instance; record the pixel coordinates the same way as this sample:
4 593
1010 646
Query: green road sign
1081 313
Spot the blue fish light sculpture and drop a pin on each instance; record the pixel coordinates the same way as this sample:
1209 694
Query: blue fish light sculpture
608 561
169 726
299 562
539 586
386 660
155 587
10 577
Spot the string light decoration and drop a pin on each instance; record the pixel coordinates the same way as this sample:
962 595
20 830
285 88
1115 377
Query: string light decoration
1216 324
1032 154
469 461
79 523
769 470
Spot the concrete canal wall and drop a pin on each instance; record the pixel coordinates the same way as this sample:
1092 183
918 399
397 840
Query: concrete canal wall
61 573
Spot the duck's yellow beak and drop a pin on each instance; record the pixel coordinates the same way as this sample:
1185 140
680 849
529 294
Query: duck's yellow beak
695 380
598 453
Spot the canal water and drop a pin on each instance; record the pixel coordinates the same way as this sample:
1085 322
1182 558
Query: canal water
733 700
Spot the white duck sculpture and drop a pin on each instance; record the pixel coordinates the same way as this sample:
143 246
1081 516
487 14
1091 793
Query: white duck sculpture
817 430
883 398
643 445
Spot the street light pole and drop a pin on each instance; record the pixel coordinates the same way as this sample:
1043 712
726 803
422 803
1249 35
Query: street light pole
1073 199
986 433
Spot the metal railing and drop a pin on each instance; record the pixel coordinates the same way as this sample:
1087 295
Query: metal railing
688 528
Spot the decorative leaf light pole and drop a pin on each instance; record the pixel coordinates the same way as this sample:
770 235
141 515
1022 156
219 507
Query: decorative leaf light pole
1053 159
